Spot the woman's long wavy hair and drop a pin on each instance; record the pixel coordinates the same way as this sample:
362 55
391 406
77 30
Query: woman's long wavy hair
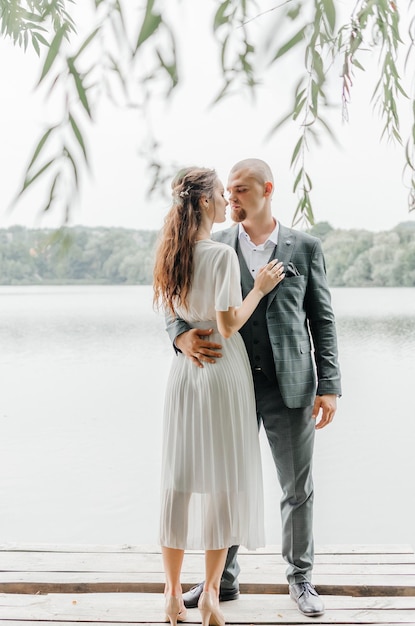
173 268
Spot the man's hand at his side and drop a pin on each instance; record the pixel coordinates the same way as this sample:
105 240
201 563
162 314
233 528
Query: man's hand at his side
327 405
196 348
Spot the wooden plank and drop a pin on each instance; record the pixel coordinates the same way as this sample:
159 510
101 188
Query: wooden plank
156 601
350 572
146 623
93 623
136 608
145 562
364 558
50 572
336 584
82 562
155 549
84 548
141 583
365 549
255 576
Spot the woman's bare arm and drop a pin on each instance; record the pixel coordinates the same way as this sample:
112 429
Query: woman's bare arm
230 321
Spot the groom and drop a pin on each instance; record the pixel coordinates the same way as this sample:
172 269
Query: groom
292 348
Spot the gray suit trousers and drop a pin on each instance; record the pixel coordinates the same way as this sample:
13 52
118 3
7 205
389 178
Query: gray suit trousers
290 435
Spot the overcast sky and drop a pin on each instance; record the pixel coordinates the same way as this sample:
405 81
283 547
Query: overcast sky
357 185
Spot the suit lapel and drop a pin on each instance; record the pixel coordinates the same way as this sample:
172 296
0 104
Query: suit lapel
283 252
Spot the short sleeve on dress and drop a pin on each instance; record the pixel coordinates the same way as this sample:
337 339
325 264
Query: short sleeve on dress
227 280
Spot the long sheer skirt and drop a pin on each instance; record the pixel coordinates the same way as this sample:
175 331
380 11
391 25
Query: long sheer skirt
211 486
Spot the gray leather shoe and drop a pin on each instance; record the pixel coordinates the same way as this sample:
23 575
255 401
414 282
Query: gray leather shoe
307 599
191 597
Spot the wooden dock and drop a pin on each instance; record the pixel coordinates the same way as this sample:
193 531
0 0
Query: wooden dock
43 585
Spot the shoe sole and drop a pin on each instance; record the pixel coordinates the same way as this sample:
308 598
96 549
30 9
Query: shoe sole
314 614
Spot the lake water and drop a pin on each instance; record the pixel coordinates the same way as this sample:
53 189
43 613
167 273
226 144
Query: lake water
82 378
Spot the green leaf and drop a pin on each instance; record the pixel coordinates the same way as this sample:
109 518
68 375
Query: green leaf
356 63
150 24
41 38
171 69
40 145
299 97
30 17
294 12
318 66
36 46
220 17
314 97
52 193
115 68
330 12
53 51
281 122
299 107
78 136
400 88
223 52
298 179
29 181
73 163
87 42
297 149
330 131
223 92
397 136
298 210
309 214
298 37
79 86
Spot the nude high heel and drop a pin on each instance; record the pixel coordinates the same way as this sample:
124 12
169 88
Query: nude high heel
175 610
209 610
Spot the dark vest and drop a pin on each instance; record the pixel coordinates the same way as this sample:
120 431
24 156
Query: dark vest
255 331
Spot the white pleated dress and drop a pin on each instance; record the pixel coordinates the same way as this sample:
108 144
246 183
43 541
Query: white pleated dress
211 485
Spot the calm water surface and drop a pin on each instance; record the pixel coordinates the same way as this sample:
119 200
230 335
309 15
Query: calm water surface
82 375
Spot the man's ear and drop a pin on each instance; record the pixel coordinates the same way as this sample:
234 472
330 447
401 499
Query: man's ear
268 187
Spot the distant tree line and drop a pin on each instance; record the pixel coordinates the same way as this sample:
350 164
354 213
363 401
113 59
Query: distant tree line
77 255
118 256
361 258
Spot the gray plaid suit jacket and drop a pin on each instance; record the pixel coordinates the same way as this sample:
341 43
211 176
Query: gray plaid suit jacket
299 319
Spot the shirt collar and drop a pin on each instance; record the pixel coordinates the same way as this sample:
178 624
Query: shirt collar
273 237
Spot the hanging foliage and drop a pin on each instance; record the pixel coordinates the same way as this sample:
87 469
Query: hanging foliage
108 62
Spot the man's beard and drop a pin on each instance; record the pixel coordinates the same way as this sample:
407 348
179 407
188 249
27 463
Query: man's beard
238 215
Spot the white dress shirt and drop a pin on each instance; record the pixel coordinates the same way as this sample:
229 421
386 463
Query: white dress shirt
257 256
